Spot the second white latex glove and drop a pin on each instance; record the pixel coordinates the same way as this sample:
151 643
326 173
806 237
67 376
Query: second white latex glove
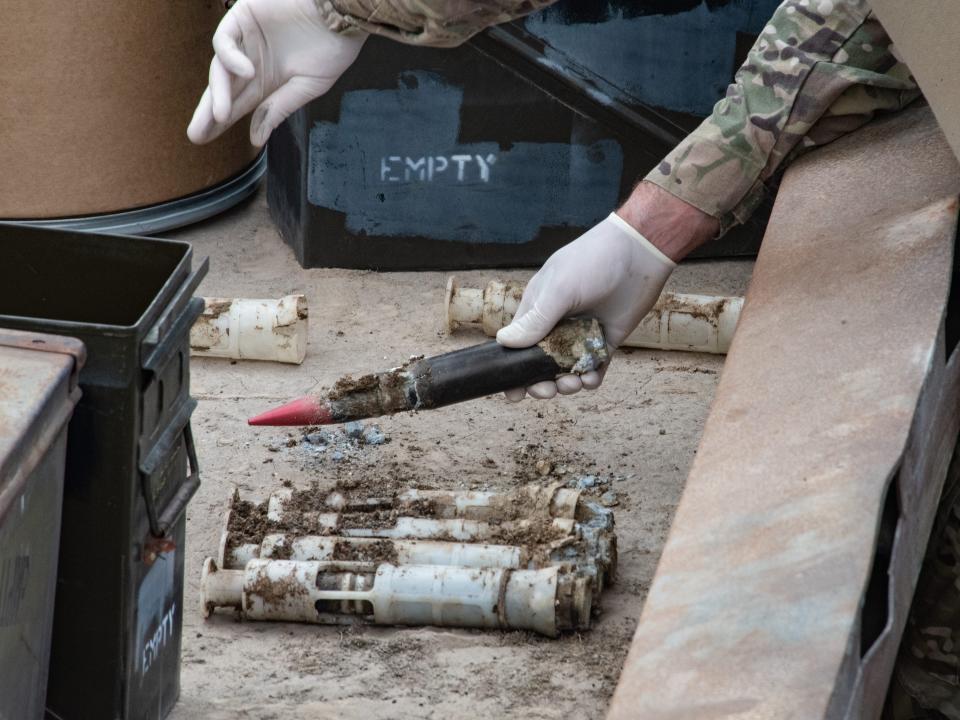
272 55
611 272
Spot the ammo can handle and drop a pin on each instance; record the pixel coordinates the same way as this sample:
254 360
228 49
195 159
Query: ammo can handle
160 525
163 339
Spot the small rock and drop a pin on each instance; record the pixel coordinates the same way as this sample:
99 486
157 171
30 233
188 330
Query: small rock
609 498
354 429
587 481
336 456
544 467
374 436
317 438
662 431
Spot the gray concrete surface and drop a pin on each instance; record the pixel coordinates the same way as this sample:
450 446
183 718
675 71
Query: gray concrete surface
641 427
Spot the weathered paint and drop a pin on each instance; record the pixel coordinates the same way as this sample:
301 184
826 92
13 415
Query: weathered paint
678 56
836 392
157 613
394 165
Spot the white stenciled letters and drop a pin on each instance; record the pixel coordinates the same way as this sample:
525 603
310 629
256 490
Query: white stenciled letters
418 167
386 168
431 168
156 643
485 164
460 160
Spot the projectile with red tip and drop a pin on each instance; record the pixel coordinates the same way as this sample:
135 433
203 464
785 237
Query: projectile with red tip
308 410
574 346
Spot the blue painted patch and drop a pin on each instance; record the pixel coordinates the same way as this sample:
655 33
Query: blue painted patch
157 612
682 61
394 166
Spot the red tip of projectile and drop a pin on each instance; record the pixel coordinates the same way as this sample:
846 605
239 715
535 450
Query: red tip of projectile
302 411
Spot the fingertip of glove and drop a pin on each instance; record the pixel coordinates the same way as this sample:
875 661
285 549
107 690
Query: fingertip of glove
591 380
543 390
196 132
515 395
242 67
259 129
569 384
511 336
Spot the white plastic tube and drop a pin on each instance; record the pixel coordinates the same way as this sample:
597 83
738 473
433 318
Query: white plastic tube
468 504
679 321
695 323
452 528
492 307
406 552
252 329
560 502
544 601
460 530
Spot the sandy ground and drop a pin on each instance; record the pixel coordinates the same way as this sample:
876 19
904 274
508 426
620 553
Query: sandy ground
641 428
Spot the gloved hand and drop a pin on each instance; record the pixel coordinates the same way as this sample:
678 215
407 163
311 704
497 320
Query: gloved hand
611 272
272 55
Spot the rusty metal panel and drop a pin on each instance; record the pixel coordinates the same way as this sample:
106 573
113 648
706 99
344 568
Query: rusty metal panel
835 381
32 402
37 395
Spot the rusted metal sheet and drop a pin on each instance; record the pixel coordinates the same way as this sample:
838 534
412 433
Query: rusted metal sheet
836 389
30 363
37 396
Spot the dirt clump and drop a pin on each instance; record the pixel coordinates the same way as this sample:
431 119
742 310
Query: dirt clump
275 592
347 385
527 535
375 520
379 551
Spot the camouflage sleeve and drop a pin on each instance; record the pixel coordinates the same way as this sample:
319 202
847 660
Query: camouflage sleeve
818 70
438 23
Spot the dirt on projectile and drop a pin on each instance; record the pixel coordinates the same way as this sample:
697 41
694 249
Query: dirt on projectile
376 394
574 344
347 385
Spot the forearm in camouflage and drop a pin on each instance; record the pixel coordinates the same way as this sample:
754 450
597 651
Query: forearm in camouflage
819 69
438 23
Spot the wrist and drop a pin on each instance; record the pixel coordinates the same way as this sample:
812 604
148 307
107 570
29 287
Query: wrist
673 226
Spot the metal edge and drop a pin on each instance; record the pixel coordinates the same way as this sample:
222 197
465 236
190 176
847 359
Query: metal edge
168 215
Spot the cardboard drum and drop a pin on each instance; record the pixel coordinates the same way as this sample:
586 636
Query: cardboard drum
96 101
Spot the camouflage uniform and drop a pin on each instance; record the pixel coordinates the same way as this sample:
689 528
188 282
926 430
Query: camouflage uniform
820 69
438 23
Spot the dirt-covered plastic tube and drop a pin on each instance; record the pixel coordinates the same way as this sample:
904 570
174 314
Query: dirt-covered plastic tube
547 601
679 321
555 500
520 529
252 329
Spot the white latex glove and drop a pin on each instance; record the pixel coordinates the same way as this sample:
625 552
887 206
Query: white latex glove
611 272
272 55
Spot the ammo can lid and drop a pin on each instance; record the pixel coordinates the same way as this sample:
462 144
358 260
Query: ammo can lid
38 391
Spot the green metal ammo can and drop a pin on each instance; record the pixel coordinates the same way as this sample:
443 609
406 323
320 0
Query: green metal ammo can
130 468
